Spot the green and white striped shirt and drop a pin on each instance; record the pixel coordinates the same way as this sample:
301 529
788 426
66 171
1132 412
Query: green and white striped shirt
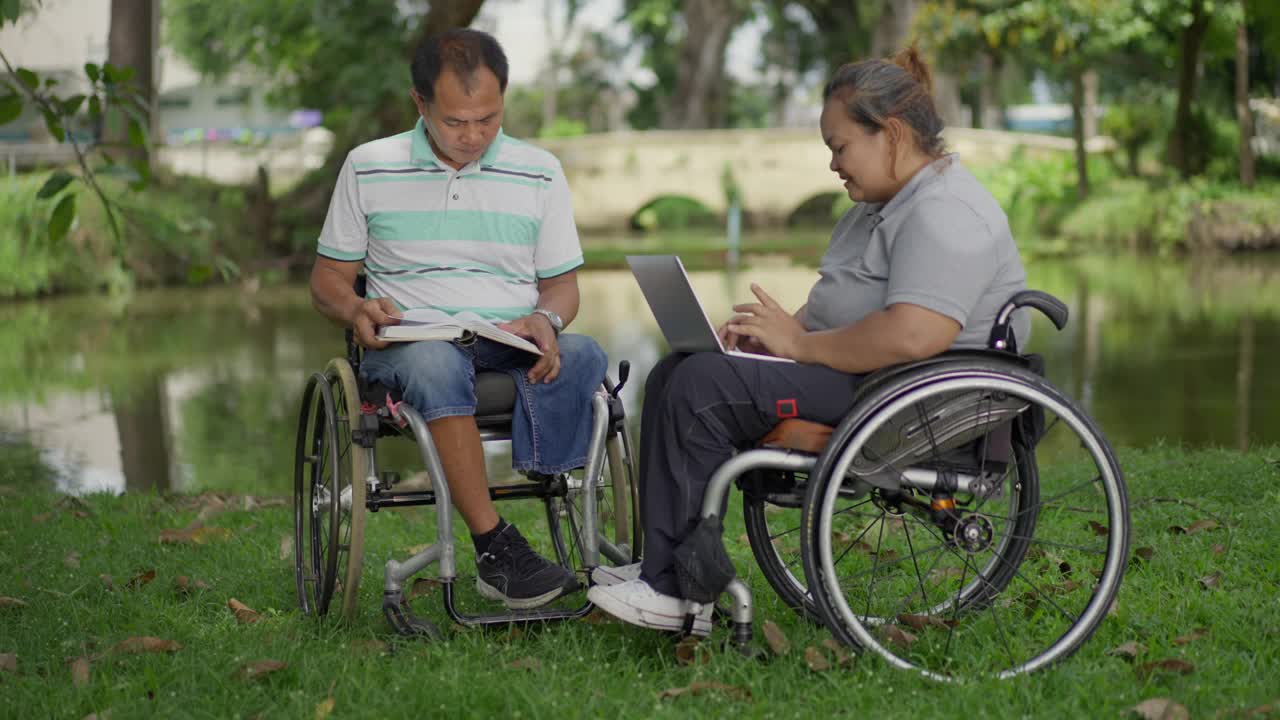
476 239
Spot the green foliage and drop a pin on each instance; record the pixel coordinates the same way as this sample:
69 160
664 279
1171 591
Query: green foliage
183 231
674 212
1151 216
563 127
1134 126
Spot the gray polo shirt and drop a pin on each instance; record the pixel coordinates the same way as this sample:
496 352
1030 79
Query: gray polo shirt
942 243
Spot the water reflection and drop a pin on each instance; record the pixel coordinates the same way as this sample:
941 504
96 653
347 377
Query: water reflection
190 390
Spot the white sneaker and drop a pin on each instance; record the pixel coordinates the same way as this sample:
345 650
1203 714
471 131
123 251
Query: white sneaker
636 602
608 576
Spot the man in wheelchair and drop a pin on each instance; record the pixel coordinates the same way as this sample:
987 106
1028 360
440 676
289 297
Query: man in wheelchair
455 216
921 264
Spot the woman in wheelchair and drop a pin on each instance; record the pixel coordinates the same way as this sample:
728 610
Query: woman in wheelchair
922 263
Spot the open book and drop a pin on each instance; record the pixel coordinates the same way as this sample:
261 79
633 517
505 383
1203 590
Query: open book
429 324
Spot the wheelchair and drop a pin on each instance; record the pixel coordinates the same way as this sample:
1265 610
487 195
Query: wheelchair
591 514
965 519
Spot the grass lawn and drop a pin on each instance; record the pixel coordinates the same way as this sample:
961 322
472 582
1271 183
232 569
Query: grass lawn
57 604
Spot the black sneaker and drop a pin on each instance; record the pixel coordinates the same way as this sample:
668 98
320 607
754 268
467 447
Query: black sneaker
513 573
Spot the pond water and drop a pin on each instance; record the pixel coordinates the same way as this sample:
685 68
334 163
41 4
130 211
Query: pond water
190 390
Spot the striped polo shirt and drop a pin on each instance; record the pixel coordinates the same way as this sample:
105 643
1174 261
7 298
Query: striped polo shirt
476 239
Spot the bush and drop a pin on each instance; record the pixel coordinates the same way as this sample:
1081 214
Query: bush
674 212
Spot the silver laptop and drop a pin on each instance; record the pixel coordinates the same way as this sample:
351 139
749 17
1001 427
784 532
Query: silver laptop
685 324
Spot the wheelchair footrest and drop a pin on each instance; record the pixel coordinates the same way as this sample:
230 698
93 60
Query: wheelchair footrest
402 619
511 616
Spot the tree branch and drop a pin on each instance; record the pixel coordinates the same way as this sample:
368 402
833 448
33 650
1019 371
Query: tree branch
86 174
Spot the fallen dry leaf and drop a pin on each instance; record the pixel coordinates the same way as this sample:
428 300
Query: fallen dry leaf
245 614
525 663
37 519
1201 526
11 602
140 579
108 583
194 535
842 655
1209 582
898 636
183 585
1192 636
323 708
697 688
1098 528
689 651
776 639
8 662
260 669
80 672
1144 553
1218 549
72 503
416 549
422 586
286 547
143 644
1173 665
596 617
1131 649
816 661
1160 709
72 560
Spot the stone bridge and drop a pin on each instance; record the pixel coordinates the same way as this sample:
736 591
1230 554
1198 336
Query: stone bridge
613 175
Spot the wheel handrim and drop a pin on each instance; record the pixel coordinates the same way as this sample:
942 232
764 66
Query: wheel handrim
880 625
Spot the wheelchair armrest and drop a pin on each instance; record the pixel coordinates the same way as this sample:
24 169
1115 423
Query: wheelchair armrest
1001 337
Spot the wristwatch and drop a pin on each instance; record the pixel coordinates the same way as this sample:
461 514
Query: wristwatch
556 323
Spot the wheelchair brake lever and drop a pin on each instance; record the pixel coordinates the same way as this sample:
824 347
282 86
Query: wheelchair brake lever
624 370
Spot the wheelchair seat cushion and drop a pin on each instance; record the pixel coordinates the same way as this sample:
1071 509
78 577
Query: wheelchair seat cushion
796 434
495 397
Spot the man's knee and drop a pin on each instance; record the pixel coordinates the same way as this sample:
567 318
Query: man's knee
582 355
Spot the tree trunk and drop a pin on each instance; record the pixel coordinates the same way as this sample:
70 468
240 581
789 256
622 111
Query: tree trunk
893 31
986 102
131 43
1242 106
1189 57
443 16
1078 130
1090 79
700 96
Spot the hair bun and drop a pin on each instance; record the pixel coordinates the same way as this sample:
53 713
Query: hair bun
909 59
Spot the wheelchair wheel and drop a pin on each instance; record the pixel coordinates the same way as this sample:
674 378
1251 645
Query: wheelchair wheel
771 505
618 533
329 494
960 557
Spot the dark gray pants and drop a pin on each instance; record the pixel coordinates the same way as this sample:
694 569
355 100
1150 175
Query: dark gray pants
698 411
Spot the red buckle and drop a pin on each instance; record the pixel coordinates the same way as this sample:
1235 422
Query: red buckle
394 407
787 408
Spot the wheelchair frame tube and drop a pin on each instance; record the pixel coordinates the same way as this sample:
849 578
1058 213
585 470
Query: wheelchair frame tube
591 479
713 499
444 503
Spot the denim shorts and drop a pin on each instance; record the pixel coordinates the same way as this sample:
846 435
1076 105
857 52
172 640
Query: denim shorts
551 422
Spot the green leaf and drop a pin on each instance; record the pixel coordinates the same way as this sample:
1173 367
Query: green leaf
54 184
52 122
10 10
117 75
137 134
60 220
10 108
93 71
95 107
71 105
28 78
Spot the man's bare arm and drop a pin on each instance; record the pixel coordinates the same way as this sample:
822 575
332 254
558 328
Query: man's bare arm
333 294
